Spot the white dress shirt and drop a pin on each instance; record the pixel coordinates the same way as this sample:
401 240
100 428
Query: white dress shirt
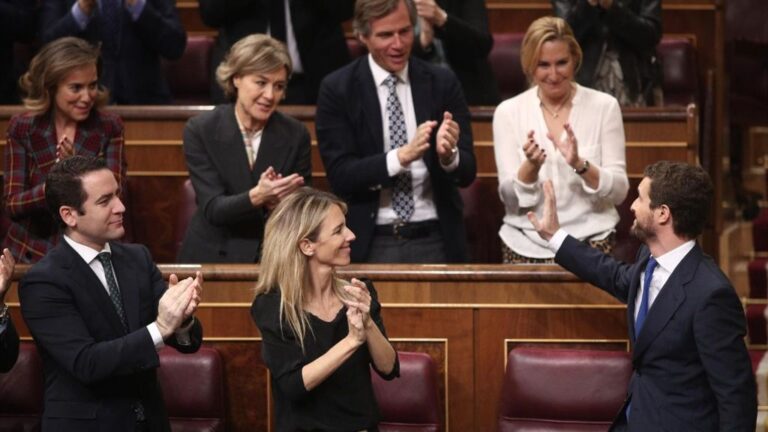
424 206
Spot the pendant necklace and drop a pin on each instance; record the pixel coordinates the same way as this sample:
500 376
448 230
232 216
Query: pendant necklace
556 112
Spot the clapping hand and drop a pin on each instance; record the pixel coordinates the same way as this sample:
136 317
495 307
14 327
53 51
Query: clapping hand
534 153
447 139
568 147
548 225
7 263
418 145
64 149
273 187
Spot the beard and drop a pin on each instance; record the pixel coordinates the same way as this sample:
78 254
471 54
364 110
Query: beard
642 233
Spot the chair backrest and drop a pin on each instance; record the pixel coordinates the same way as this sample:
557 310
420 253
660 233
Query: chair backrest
563 390
409 403
678 62
189 77
21 392
355 48
483 214
505 63
187 208
193 389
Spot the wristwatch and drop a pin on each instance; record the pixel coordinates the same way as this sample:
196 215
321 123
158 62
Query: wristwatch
584 168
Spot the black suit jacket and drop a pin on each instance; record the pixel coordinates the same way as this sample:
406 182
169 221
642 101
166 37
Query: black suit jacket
467 43
692 369
226 227
94 370
317 25
133 74
9 347
17 23
351 140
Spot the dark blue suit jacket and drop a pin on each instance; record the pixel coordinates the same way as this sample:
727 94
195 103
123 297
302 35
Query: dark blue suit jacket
351 141
133 74
692 369
94 370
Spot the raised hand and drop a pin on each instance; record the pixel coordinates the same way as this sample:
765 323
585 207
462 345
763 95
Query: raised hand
568 147
447 139
534 153
7 263
431 12
64 149
548 225
361 300
273 187
175 303
87 6
418 145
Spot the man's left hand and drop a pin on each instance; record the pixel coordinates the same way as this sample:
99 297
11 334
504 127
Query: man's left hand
447 139
430 11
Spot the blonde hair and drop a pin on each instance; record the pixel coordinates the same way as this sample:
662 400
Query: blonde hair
283 265
369 10
256 53
51 65
546 29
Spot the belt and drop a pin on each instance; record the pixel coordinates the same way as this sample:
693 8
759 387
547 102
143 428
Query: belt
408 230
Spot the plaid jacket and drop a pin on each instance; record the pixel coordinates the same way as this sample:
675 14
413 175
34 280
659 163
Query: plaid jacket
29 155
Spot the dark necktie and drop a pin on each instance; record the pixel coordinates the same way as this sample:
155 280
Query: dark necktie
111 14
643 311
114 291
277 20
402 191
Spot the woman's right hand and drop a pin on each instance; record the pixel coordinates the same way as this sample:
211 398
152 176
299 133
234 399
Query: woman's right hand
64 149
534 153
273 187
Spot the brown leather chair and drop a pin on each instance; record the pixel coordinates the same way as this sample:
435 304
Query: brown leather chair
505 63
409 403
189 77
563 390
187 208
193 389
21 392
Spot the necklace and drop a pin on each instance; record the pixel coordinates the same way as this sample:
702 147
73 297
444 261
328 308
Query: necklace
556 112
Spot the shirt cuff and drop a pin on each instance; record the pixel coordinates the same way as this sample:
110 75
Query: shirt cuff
557 240
393 164
157 338
453 164
80 17
136 9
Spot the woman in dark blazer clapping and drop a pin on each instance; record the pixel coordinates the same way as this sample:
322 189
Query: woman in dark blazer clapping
244 157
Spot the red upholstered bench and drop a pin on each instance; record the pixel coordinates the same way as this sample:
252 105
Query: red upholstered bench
409 403
193 389
554 389
21 392
756 326
189 77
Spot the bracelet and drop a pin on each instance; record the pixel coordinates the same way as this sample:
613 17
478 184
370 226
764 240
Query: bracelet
584 168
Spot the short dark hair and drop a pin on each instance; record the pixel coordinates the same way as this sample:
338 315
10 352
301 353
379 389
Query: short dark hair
64 186
687 191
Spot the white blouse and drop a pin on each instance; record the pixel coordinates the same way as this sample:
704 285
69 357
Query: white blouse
583 212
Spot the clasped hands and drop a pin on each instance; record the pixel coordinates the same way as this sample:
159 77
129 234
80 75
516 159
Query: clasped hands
446 141
273 187
178 303
358 311
536 155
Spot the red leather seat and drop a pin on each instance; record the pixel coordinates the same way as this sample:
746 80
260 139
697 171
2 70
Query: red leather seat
409 403
187 208
21 392
483 214
505 63
563 390
193 389
678 61
189 77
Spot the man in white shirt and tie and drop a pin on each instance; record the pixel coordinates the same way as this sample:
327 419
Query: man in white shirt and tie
395 138
692 371
99 310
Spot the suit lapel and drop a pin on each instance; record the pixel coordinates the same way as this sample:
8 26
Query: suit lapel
274 148
126 273
83 276
42 141
367 89
229 150
671 296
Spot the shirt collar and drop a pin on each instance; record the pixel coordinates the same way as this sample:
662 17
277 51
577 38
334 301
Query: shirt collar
380 74
670 260
87 253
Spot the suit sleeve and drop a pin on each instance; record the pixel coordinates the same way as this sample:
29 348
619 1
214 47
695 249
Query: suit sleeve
20 199
160 28
348 170
56 20
465 33
303 163
218 206
9 347
57 325
719 331
580 15
639 30
595 267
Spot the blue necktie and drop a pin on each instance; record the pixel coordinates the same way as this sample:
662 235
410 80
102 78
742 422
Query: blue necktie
643 311
402 190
